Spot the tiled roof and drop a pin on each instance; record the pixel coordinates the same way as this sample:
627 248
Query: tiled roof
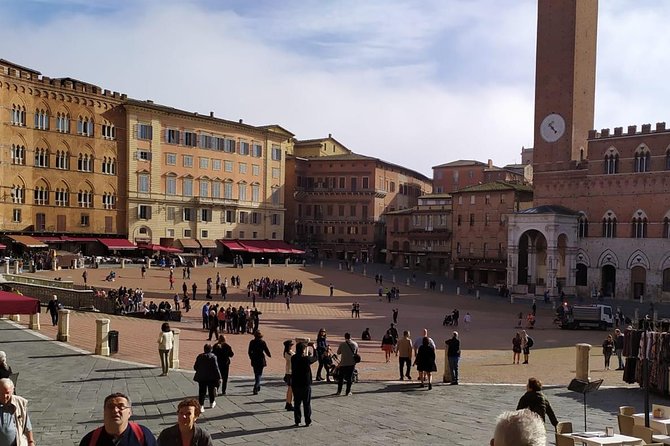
461 163
497 186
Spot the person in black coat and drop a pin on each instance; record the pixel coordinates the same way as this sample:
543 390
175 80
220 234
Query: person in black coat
425 362
52 307
223 353
301 381
207 375
257 351
535 400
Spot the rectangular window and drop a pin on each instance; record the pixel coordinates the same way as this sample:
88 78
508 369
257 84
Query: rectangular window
275 197
171 159
229 146
243 168
229 234
187 187
243 191
244 217
204 233
170 213
172 136
171 185
366 182
257 150
190 139
206 141
342 184
255 193
144 131
472 219
228 166
61 223
187 233
230 217
187 214
204 163
204 188
276 153
275 219
354 184
170 232
352 210
228 190
188 161
144 212
255 218
16 215
340 210
365 212
216 164
205 215
487 199
472 199
84 220
143 183
143 155
276 173
244 148
216 189
255 170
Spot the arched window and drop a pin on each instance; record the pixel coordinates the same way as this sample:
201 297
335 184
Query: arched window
18 154
642 161
62 196
62 122
109 165
108 130
639 227
583 229
108 200
41 119
62 160
41 158
41 196
612 163
609 226
18 194
85 163
18 115
85 199
85 126
666 227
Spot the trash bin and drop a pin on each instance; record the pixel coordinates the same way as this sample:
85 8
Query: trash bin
113 340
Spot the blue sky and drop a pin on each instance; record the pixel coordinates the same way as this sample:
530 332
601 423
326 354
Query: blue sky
446 79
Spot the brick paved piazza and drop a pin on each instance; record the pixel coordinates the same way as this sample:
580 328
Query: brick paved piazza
66 387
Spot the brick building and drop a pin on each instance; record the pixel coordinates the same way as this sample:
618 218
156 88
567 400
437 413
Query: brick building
340 197
63 145
420 237
459 174
601 224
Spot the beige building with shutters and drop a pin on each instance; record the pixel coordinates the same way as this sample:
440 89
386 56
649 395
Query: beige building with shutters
194 179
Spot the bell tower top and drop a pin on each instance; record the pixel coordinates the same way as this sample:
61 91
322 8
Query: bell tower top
565 78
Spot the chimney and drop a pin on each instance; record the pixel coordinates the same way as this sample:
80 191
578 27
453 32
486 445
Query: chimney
490 164
211 114
149 101
330 135
240 121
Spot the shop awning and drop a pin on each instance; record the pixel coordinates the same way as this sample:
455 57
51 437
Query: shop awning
232 245
28 241
79 239
286 248
2 246
188 243
11 303
49 238
158 248
249 247
207 243
117 244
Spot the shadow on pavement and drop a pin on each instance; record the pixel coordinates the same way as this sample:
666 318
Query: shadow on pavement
126 370
64 355
240 433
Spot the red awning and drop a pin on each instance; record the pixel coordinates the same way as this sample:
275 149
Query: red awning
28 241
11 303
2 246
232 245
249 247
49 238
79 239
158 248
117 244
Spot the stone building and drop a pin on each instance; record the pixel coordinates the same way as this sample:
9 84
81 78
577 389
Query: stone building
62 152
340 197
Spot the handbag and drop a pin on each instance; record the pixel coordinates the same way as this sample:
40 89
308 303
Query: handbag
357 357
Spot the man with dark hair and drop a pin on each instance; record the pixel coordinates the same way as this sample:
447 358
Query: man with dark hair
117 430
535 400
346 351
453 356
301 381
188 411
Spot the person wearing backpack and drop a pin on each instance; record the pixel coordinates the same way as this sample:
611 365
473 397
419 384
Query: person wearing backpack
117 430
526 344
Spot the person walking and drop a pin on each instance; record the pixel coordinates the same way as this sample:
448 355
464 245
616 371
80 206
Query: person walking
322 349
535 400
425 362
288 354
526 344
417 343
194 288
117 429
186 431
387 345
405 355
16 428
331 289
205 316
608 349
223 352
207 375
84 276
165 343
348 352
395 315
5 369
618 347
301 381
453 356
257 351
52 307
516 348
213 323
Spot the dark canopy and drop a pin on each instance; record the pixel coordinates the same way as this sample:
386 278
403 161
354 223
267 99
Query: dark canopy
11 303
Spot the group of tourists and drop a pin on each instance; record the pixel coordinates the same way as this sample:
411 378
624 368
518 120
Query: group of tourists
217 319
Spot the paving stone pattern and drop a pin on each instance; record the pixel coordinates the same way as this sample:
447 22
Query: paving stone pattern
66 388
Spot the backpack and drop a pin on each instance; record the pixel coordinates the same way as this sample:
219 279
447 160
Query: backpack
530 342
136 428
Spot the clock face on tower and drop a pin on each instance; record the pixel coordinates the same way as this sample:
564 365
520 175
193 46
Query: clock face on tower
552 127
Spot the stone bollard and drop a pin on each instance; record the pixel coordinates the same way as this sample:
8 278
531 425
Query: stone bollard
148 264
34 323
286 263
216 262
582 361
340 266
63 326
269 262
304 263
511 298
102 337
407 282
16 267
174 353
253 263
446 377
15 317
458 291
393 279
123 263
425 285
441 288
6 267
365 273
321 264
477 294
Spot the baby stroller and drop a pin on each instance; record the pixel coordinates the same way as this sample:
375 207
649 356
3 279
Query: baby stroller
448 320
335 370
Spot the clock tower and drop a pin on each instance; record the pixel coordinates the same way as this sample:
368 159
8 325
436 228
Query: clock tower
565 77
